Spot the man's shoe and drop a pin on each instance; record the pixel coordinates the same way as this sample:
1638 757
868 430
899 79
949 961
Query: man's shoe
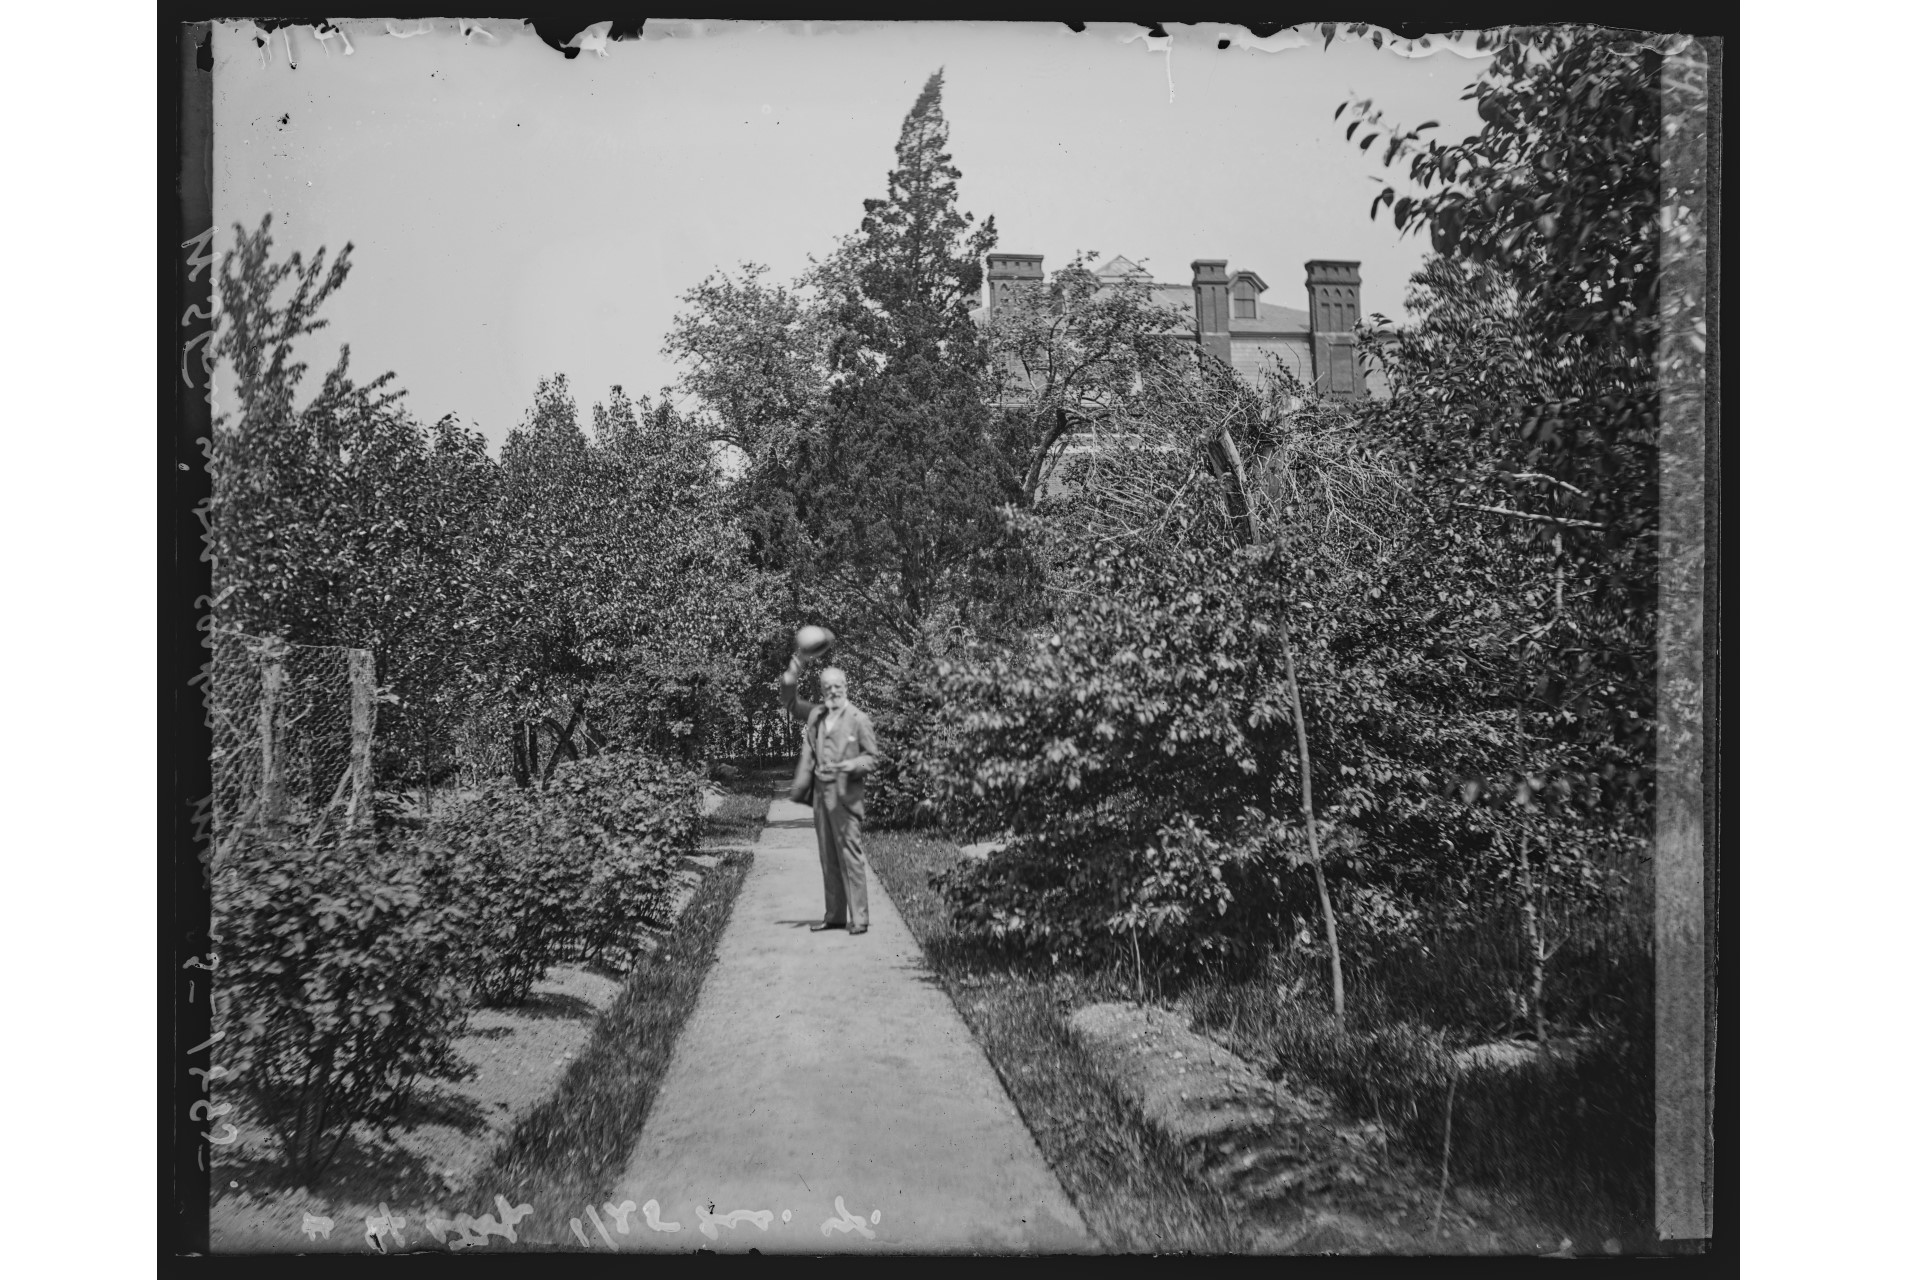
858 929
821 925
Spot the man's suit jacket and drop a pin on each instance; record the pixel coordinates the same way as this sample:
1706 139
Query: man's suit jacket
849 739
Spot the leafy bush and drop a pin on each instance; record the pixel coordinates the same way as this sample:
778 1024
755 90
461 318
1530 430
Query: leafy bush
338 982
1134 760
898 685
901 789
633 816
569 871
520 891
345 970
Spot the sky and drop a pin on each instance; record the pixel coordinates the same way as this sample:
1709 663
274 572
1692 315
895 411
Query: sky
515 213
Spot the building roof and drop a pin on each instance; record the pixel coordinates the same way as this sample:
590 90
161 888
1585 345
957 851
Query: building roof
1270 319
1118 268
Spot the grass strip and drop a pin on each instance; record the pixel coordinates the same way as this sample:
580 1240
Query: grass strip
566 1152
1125 1179
743 810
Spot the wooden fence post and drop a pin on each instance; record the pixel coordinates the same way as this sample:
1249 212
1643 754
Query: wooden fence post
273 791
360 685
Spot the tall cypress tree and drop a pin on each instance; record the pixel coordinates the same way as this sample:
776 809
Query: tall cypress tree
902 482
918 257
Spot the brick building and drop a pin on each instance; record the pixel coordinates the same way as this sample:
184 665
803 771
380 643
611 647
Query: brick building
1231 317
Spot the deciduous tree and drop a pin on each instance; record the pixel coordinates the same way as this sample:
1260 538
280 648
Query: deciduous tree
1528 380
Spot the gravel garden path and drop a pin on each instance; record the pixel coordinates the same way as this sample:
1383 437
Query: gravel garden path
825 1096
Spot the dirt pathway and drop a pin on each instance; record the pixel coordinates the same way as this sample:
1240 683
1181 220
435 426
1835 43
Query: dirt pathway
826 1097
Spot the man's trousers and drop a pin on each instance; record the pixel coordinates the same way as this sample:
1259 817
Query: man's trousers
843 863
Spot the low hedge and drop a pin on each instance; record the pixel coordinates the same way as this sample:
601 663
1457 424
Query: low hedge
570 871
338 982
346 968
1174 902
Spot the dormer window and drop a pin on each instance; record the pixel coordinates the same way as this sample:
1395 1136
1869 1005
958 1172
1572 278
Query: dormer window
1246 291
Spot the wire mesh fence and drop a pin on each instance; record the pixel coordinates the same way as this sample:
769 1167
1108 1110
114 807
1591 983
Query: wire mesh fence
293 728
294 738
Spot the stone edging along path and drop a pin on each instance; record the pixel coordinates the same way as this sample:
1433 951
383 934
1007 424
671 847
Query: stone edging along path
1307 1177
825 1096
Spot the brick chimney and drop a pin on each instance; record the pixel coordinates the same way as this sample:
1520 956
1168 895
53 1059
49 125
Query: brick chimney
1333 310
1210 308
1009 274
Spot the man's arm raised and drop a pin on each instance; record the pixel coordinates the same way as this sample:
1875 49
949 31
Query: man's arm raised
797 707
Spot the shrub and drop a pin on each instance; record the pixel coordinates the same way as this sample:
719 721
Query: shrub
903 789
633 816
569 871
1136 761
897 684
1183 899
338 982
518 886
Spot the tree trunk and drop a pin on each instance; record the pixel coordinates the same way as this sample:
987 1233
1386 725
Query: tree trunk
312 1112
1313 835
517 741
1536 944
1537 953
1446 1155
1058 429
1223 455
565 740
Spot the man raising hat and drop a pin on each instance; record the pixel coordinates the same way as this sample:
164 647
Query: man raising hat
840 744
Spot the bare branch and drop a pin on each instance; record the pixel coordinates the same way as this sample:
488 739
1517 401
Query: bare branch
1531 515
1535 475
